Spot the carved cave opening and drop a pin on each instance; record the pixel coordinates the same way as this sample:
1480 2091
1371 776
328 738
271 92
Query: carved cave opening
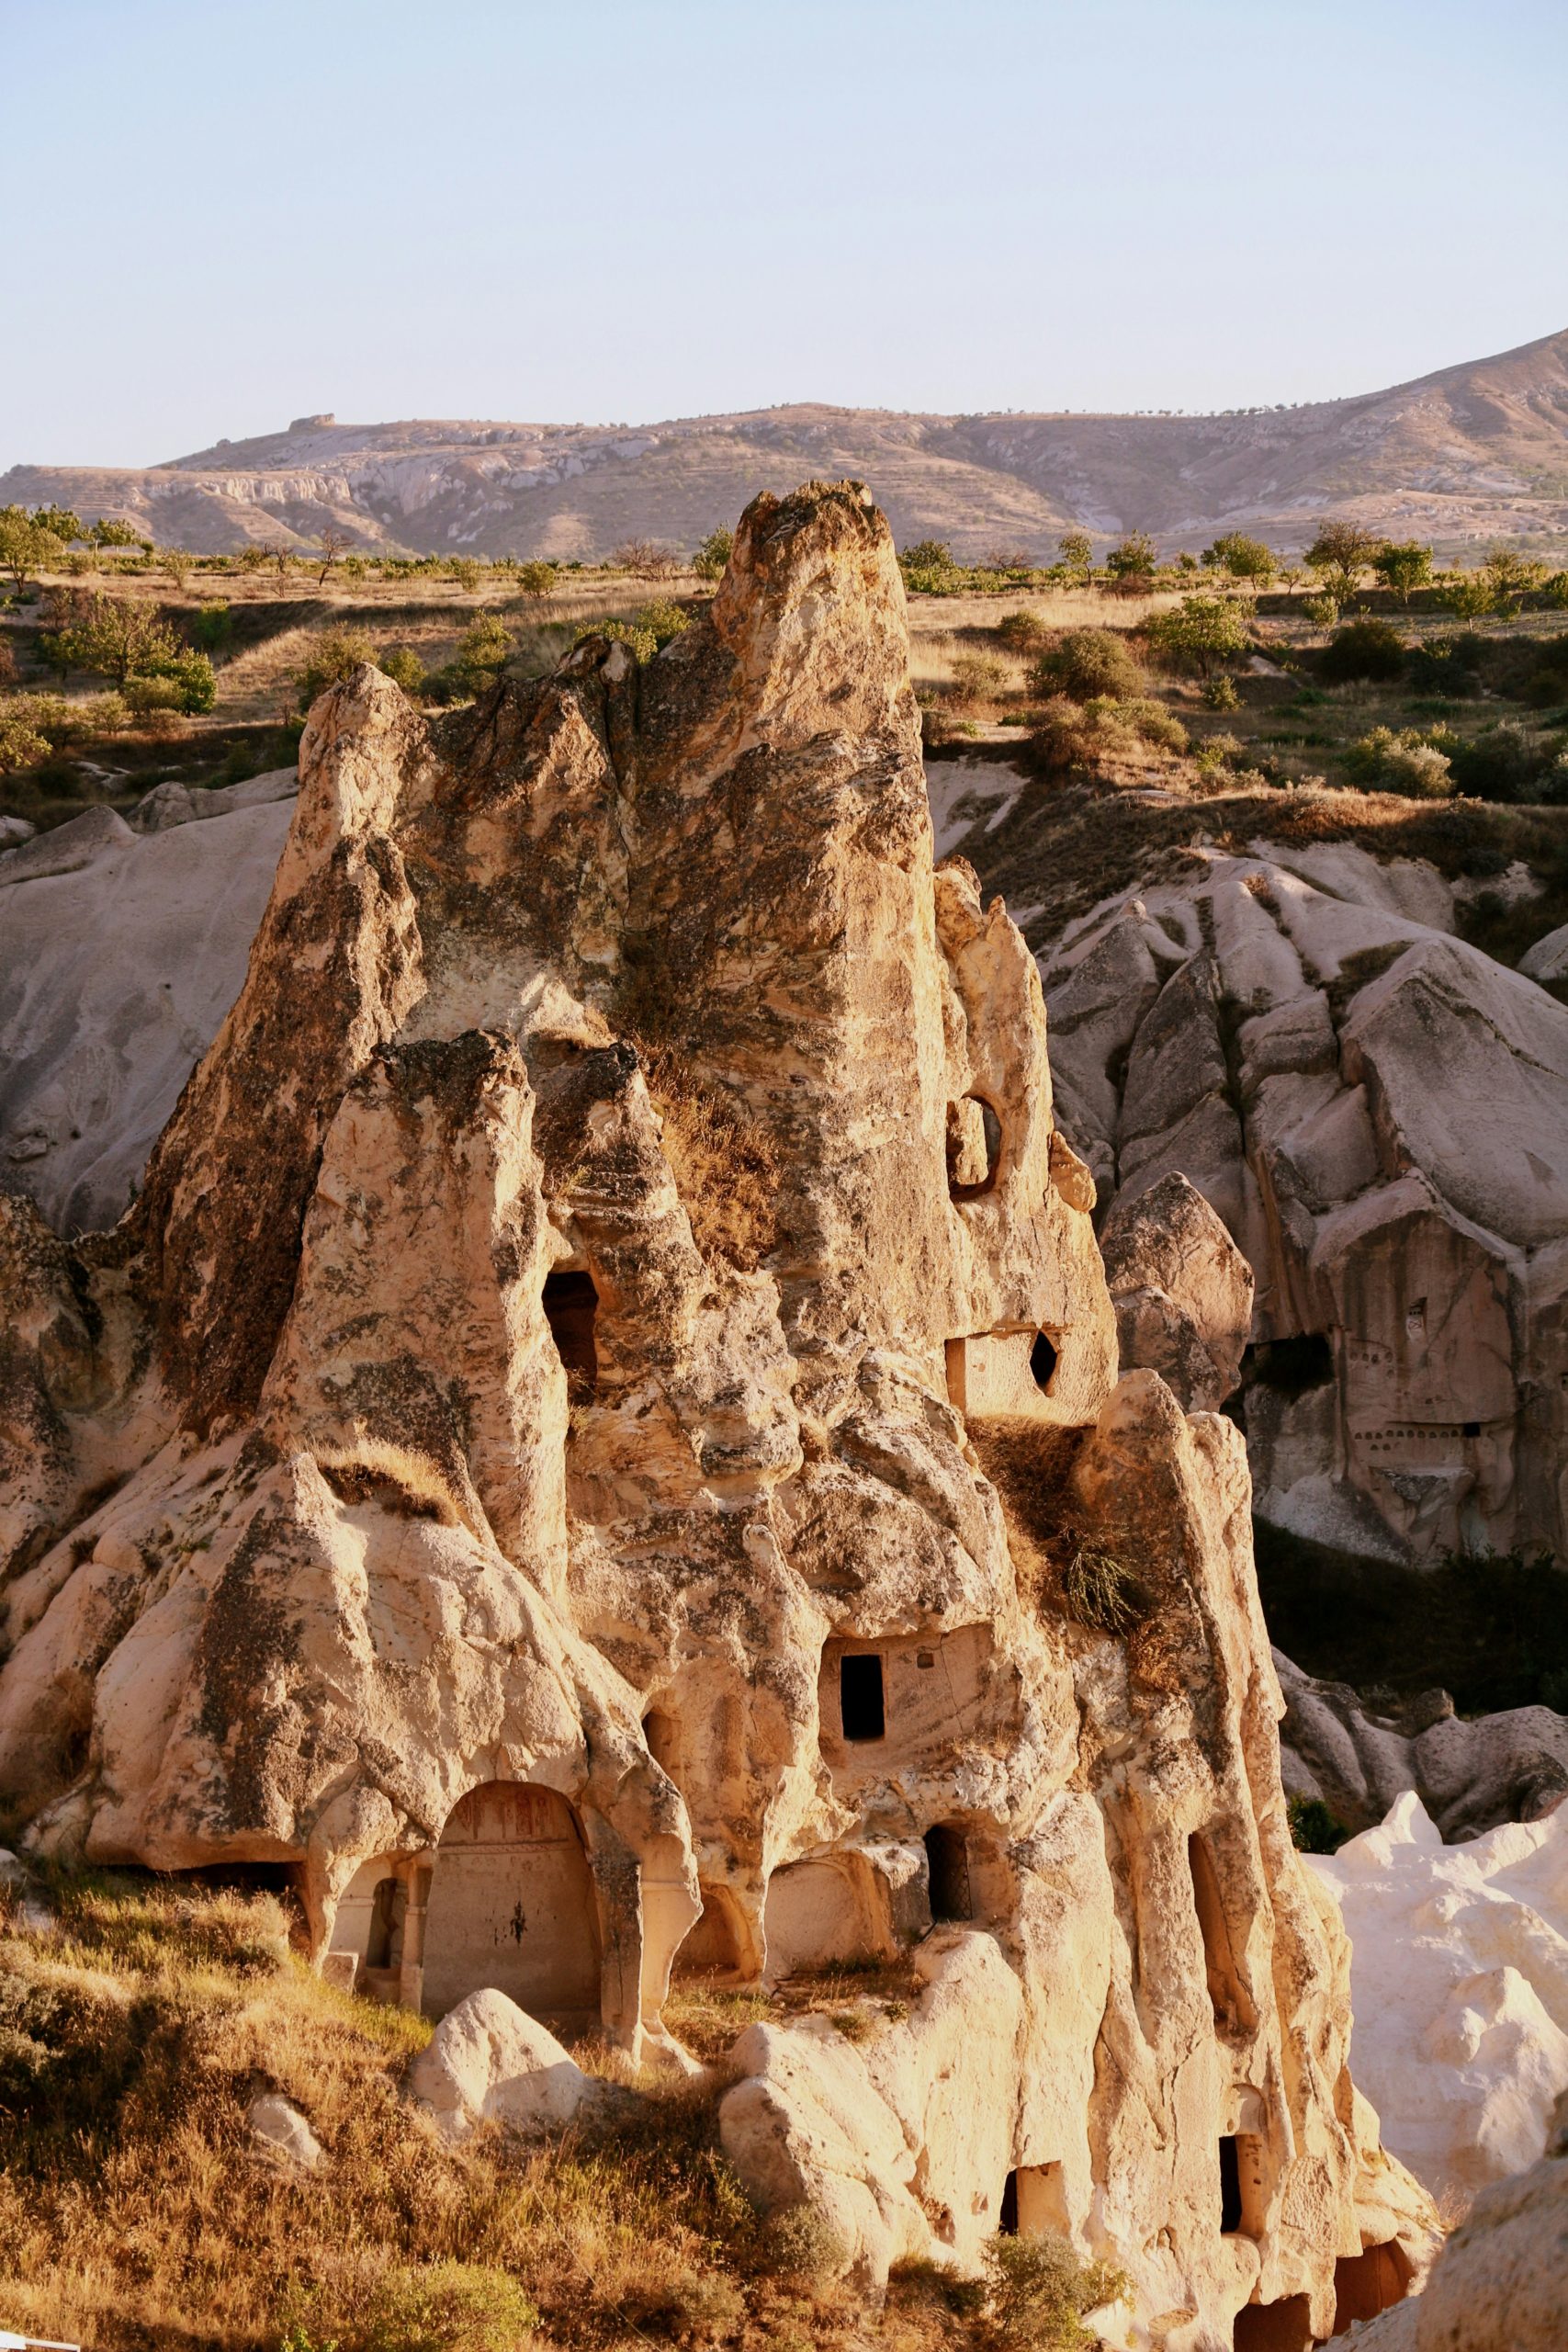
1368 2282
1044 1358
973 1147
947 1871
571 1304
389 1908
1035 2203
862 1712
1242 2192
512 1905
1284 2326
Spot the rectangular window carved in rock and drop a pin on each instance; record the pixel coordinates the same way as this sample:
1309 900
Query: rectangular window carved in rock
1242 2191
862 1709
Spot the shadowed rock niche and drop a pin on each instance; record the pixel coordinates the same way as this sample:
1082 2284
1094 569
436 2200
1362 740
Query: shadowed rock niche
523 1464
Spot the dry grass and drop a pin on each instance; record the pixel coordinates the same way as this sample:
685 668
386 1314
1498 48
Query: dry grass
137 2215
724 1164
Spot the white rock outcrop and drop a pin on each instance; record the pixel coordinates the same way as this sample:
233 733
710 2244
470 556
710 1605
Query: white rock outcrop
120 955
1499 2284
1459 1977
280 2131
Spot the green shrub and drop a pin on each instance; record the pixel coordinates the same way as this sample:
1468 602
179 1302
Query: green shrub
212 627
1504 761
446 2307
482 653
1322 610
1040 2290
1220 693
799 2243
977 678
642 642
1408 763
664 618
713 554
1467 594
1371 649
1021 633
537 579
1313 1829
335 655
404 668
1086 661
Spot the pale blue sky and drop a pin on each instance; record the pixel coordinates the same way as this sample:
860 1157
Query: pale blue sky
220 214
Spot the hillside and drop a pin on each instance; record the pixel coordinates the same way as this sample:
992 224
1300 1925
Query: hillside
1469 454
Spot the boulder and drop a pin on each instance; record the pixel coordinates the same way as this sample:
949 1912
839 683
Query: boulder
278 2127
488 2061
1182 1292
1548 959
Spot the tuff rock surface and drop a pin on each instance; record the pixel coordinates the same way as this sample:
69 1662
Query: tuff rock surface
1379 1113
1470 1773
519 1464
1498 2286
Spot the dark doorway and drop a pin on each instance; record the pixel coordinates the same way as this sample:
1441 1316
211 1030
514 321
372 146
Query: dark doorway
1007 2220
861 1707
1230 2188
1044 1359
570 1304
947 1871
1284 2326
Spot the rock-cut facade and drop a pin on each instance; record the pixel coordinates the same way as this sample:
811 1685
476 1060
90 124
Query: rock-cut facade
531 1461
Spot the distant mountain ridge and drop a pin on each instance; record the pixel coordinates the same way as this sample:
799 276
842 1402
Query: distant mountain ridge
1470 454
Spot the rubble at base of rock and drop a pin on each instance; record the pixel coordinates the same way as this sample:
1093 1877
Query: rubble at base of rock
519 1464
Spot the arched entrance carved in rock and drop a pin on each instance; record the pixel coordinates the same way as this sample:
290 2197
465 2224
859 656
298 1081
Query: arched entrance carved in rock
512 1905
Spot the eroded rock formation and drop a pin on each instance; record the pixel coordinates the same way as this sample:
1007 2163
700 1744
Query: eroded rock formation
1380 1114
519 1465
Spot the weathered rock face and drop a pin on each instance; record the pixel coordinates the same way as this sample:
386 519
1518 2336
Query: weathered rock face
1380 1114
518 1462
1182 1292
1471 1774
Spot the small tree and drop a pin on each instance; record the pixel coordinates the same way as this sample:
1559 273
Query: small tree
1243 558
1469 595
1202 633
61 524
713 554
21 744
1089 662
107 533
212 627
333 543
175 563
112 637
25 547
465 569
1512 576
335 655
537 579
1403 566
1076 551
1131 559
253 558
482 652
1340 555
404 668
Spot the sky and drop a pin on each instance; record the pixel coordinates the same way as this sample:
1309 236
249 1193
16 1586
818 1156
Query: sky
223 214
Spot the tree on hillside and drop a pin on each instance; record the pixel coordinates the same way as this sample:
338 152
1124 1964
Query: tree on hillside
645 560
110 636
1201 633
24 546
1339 554
107 533
60 523
1243 558
1511 575
1403 566
331 543
713 553
1133 558
537 579
176 563
1076 551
